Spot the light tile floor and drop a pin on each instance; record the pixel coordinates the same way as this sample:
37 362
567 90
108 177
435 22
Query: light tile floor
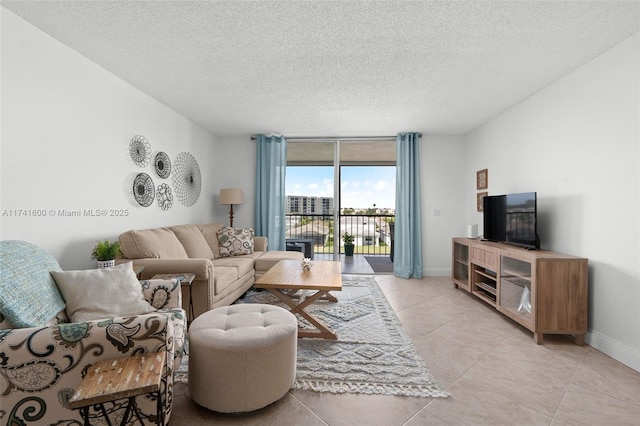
494 371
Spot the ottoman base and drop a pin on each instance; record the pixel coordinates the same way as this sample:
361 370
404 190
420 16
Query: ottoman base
242 357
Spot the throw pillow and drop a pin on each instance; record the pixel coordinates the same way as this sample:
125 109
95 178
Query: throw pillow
102 293
235 242
28 295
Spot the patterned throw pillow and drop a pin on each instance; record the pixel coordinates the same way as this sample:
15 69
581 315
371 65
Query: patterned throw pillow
234 242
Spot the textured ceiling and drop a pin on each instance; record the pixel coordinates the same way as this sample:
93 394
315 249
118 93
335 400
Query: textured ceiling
337 68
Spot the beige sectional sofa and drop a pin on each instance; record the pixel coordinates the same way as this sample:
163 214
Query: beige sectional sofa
195 248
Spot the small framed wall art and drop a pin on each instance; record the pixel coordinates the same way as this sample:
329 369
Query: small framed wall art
480 200
482 179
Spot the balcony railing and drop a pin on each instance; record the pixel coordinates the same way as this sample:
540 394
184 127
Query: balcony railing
372 233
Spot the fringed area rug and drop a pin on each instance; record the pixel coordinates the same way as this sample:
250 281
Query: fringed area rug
373 353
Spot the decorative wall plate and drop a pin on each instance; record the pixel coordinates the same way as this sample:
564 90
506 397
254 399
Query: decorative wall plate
140 150
162 165
144 189
164 196
187 181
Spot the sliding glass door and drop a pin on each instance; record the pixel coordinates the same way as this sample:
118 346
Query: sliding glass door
312 197
338 186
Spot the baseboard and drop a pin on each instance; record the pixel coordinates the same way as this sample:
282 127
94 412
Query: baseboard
616 350
436 272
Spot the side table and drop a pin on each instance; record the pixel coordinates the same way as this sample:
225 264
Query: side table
138 270
119 378
186 279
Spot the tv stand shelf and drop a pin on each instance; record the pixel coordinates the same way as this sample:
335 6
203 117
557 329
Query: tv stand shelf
543 291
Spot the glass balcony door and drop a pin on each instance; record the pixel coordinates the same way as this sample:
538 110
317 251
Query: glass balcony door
313 195
323 203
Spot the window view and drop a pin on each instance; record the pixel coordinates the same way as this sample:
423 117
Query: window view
367 206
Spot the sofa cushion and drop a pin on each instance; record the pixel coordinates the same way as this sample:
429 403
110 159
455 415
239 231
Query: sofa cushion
235 241
193 241
159 243
210 234
260 243
270 258
223 277
244 264
29 296
253 256
102 293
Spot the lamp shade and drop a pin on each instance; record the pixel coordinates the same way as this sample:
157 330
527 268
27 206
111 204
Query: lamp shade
231 196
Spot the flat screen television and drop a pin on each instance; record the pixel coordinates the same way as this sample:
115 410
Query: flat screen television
512 219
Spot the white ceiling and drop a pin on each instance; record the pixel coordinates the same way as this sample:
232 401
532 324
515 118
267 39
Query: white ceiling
340 68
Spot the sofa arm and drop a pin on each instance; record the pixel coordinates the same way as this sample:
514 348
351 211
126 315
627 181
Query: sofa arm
203 287
40 368
260 243
203 268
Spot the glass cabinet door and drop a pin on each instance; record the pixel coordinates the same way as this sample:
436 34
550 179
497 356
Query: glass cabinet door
516 298
461 265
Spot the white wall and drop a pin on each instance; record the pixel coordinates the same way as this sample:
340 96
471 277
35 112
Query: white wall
443 183
66 126
235 165
576 143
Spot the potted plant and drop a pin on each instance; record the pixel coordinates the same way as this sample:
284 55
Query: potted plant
347 238
105 253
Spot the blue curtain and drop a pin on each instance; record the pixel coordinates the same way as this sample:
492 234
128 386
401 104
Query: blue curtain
271 167
407 259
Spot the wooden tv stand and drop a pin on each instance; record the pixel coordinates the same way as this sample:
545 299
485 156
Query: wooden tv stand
545 292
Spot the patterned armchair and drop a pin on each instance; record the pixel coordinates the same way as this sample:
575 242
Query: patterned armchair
42 365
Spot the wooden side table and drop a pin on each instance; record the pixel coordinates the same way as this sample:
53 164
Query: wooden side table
138 270
119 378
186 279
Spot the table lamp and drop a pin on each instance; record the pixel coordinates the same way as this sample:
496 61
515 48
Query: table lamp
231 196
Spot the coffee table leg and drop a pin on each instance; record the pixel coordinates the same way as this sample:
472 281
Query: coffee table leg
328 296
322 330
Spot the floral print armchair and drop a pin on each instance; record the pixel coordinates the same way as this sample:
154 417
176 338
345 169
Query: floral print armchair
42 366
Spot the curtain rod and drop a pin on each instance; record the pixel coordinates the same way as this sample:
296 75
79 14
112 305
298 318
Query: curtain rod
344 138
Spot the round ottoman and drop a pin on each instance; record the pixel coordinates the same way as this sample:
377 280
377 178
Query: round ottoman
242 357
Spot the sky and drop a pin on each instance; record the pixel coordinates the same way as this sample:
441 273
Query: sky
362 186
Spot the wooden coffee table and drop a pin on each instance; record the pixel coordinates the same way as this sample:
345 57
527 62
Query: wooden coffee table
291 284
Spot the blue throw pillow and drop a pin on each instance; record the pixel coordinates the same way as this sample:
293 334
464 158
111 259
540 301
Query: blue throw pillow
29 296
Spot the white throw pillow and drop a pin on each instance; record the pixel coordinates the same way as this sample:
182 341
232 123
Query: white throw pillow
102 293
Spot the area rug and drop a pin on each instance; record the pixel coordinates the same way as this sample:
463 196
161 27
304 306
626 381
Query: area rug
373 353
380 263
